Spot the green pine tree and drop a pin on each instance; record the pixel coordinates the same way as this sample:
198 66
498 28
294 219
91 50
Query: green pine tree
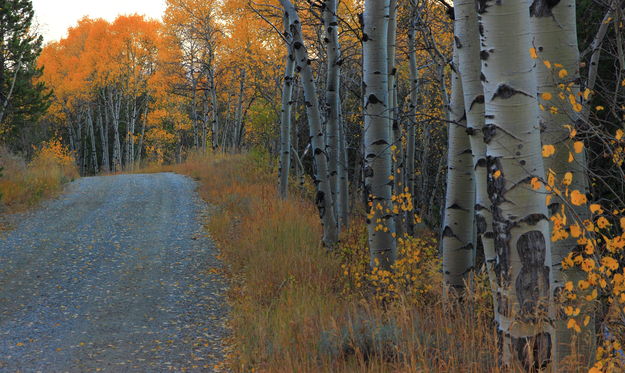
22 99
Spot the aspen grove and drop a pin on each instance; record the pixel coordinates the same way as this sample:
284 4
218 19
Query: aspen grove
463 161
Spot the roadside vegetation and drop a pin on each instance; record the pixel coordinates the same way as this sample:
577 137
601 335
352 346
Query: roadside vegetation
24 184
296 307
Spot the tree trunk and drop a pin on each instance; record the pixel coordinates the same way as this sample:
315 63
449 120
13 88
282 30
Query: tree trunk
377 135
343 209
333 99
520 218
323 198
285 117
94 155
467 39
457 235
555 37
412 130
103 126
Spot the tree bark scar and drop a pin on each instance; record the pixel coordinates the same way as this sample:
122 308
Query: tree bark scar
458 43
534 352
480 223
501 225
482 5
532 283
489 132
478 100
542 8
505 91
320 202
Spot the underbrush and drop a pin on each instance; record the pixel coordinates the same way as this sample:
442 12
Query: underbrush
24 184
298 308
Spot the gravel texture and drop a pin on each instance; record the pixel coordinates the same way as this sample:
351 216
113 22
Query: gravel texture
116 275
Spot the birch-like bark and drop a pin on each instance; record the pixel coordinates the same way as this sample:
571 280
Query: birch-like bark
397 154
323 197
215 110
94 154
377 135
343 203
520 217
412 129
333 98
104 130
285 116
467 40
457 236
555 38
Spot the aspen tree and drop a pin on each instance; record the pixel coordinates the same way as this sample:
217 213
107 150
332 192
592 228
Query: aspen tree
377 135
555 42
520 217
333 99
467 43
285 115
323 198
457 235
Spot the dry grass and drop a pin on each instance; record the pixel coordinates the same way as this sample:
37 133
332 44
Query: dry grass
23 185
297 308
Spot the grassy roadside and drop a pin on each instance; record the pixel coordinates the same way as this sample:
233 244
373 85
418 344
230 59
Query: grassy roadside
297 308
25 184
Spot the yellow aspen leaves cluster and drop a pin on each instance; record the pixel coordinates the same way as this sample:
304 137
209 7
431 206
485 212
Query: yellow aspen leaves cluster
413 277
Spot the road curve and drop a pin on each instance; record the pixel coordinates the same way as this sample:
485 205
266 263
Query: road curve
116 275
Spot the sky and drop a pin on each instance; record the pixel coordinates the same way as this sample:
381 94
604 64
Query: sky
56 16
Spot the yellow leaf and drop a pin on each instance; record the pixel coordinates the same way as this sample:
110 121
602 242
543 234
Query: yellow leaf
622 222
578 198
548 64
571 158
578 146
576 231
497 174
546 96
577 107
596 208
599 108
619 134
562 73
533 53
567 179
535 183
548 150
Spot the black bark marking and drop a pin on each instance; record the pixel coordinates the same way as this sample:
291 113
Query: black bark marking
489 132
534 352
448 232
380 142
501 225
504 91
532 283
373 99
533 219
542 8
484 55
481 7
320 202
458 43
480 223
478 100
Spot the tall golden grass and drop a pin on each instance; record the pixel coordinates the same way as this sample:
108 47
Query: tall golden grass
298 308
24 184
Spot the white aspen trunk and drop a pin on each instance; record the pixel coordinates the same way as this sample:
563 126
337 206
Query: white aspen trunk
285 116
238 116
343 209
143 124
397 154
467 40
323 198
555 38
114 103
520 217
104 130
333 99
94 155
412 129
377 135
215 109
457 235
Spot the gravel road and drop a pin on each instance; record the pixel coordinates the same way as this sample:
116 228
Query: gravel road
116 275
